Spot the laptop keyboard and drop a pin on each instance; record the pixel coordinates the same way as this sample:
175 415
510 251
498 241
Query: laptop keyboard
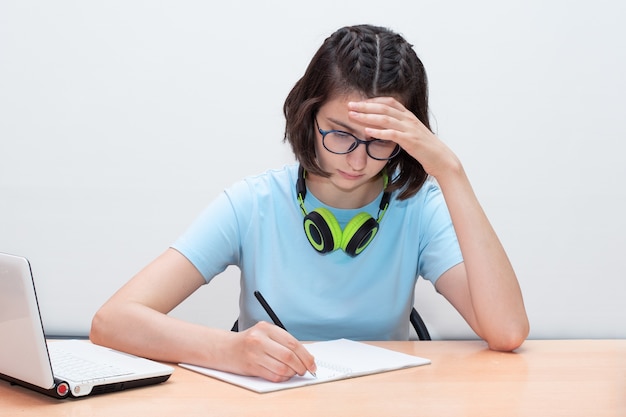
66 365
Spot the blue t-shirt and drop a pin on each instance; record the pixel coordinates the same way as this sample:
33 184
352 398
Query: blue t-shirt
257 225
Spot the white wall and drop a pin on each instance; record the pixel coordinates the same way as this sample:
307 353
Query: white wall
121 120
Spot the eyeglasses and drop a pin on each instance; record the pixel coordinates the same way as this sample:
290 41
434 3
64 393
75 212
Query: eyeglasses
340 142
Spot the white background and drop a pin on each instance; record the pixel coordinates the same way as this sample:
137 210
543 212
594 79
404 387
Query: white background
121 120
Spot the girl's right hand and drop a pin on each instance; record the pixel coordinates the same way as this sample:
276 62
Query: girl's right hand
269 352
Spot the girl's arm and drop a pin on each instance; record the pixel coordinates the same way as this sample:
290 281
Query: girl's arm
484 288
135 320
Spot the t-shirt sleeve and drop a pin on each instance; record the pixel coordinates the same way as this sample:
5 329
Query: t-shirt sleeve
213 241
439 248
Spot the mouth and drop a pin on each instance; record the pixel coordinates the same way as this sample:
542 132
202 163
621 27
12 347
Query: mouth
349 176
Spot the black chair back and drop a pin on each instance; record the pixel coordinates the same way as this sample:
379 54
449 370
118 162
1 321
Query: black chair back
414 318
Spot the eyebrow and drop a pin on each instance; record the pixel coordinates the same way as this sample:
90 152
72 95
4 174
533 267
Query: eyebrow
348 128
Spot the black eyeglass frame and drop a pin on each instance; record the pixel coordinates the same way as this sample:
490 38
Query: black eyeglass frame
357 142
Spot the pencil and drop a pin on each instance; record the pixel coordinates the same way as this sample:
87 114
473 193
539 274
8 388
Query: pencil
269 310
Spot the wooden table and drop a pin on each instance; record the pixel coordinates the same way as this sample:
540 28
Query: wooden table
543 378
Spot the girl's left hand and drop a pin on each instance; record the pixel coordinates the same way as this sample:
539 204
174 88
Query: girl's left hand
386 118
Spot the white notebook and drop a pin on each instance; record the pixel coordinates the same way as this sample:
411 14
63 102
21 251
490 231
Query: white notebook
335 360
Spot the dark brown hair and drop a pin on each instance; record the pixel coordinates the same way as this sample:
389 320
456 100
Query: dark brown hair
371 61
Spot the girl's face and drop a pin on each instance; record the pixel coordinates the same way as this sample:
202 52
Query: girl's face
354 171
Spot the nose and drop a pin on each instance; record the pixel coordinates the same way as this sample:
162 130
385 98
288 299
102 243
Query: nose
357 159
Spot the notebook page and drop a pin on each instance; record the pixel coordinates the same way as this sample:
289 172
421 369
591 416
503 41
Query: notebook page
335 360
358 358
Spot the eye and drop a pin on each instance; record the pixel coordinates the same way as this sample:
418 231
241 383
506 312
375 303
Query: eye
383 143
341 135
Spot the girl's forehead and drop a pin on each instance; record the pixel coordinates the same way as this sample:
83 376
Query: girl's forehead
342 100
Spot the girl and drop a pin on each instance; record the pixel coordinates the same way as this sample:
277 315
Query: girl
336 242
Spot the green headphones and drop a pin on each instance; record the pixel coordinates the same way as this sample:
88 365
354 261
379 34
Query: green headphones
324 233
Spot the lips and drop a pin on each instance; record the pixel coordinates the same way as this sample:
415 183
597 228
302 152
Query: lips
350 176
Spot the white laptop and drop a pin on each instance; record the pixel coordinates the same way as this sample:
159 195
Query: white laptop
59 368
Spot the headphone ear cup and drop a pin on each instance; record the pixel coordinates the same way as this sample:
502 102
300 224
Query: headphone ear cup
322 230
358 233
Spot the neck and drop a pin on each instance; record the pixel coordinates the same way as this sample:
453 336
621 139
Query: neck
328 193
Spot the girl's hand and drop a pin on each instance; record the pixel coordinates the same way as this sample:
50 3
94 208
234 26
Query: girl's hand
386 118
267 351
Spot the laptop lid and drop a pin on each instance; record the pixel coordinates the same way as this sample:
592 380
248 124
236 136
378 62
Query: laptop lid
24 353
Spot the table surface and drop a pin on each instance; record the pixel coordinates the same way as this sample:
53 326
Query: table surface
542 378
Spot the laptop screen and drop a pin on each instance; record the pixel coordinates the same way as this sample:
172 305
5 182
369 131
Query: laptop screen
23 352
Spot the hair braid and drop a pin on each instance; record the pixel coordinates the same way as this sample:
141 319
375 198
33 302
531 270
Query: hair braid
356 57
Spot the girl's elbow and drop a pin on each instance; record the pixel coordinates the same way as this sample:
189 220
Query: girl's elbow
510 339
98 332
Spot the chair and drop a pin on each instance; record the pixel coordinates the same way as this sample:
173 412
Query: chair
418 325
414 318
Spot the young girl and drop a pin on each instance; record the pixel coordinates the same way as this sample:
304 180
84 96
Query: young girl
335 243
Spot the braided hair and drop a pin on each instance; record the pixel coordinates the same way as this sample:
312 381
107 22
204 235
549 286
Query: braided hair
371 61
